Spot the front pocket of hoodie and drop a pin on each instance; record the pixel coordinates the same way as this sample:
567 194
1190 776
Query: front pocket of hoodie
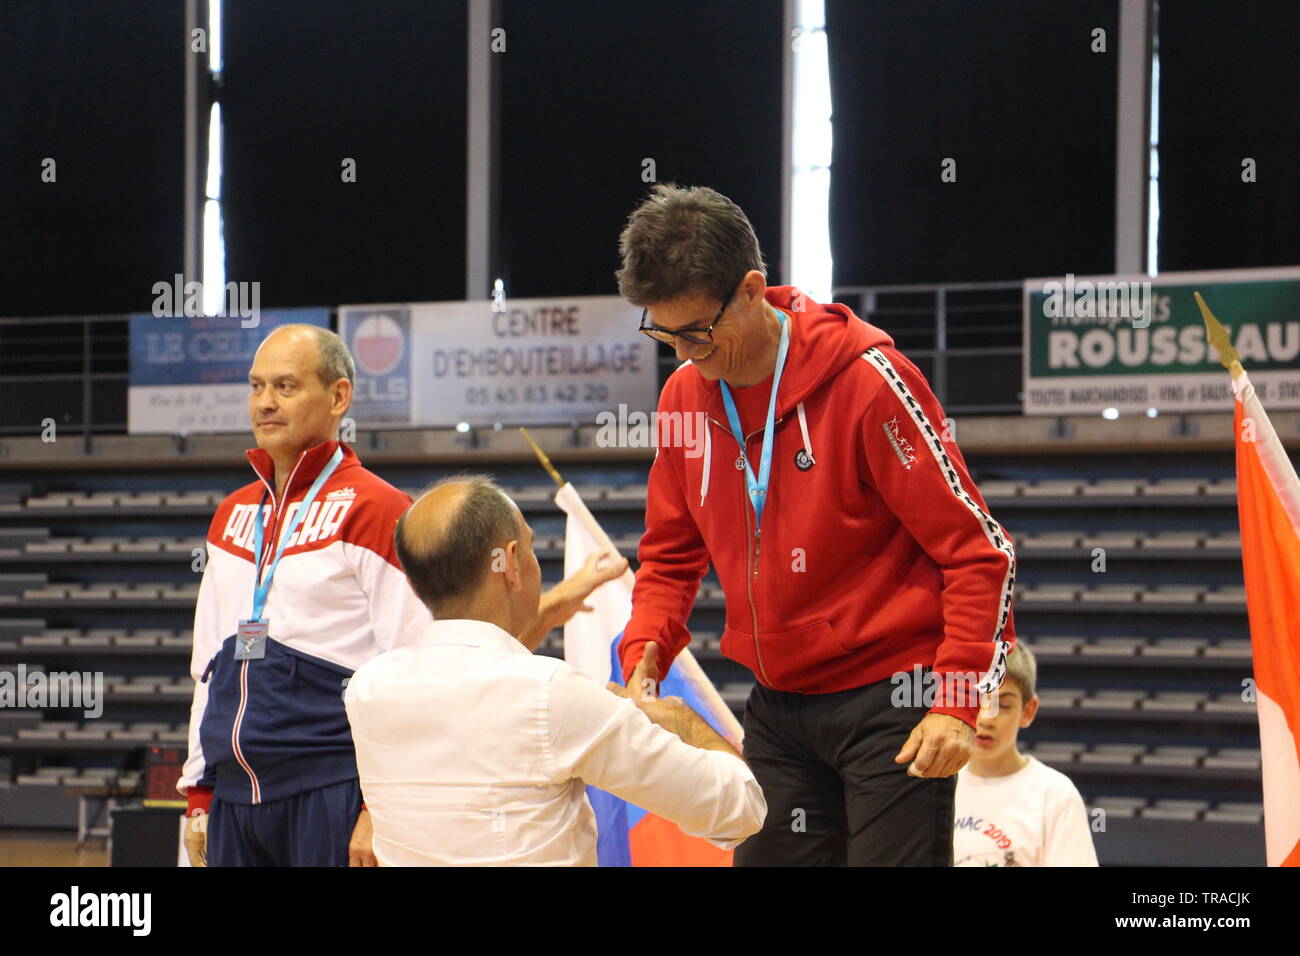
793 659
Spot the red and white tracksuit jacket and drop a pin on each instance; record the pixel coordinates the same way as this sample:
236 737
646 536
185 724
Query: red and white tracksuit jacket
265 729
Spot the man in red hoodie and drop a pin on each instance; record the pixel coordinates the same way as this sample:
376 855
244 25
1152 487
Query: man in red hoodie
854 550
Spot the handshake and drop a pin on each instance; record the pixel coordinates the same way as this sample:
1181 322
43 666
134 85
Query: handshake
671 713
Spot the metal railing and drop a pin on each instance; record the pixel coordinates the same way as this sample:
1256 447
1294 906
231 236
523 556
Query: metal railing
57 351
42 360
925 320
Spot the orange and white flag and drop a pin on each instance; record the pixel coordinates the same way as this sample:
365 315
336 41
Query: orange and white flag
1268 507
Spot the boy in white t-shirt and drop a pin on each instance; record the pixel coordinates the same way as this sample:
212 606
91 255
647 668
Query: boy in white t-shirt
1013 810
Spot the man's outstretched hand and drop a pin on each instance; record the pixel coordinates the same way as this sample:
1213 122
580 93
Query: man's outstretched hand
676 716
570 596
643 684
938 746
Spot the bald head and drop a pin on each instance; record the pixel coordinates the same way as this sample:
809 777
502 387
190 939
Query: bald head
426 523
333 361
448 540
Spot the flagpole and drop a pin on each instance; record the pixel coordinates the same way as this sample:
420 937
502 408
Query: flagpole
691 671
1218 336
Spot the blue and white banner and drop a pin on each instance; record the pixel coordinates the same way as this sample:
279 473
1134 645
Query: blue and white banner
190 373
535 361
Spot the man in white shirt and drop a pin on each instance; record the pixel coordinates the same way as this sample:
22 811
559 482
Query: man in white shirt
474 751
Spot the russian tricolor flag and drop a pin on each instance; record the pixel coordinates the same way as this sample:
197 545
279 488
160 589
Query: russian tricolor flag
628 835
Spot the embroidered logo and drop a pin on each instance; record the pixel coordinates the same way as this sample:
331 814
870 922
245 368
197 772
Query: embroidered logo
802 460
341 494
902 447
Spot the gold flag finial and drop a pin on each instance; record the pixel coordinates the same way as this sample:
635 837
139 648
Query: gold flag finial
1218 337
546 462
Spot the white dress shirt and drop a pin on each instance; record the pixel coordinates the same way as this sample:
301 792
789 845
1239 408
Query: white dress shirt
474 751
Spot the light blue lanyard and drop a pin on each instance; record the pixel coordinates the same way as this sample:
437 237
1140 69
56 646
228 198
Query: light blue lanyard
263 586
758 486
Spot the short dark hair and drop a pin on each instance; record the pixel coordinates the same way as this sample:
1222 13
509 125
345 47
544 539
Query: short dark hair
447 575
682 242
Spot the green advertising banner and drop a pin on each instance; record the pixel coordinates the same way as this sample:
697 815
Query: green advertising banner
1133 343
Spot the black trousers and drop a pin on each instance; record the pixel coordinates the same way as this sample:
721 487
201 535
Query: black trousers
835 797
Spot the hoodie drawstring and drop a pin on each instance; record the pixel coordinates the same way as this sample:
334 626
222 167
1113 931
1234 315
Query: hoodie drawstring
708 451
803 429
708 461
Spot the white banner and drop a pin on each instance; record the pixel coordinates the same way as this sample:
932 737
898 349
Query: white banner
188 408
536 361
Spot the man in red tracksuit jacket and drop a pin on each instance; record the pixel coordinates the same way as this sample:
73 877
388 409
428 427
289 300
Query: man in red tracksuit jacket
867 559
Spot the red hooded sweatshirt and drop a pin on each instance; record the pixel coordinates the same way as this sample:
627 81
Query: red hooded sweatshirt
877 554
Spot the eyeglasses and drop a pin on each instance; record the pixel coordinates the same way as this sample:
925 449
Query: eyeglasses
702 336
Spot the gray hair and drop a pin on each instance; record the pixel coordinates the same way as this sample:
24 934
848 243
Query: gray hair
682 242
335 359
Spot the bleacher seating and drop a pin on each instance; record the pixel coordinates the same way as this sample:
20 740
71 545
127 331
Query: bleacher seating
1141 666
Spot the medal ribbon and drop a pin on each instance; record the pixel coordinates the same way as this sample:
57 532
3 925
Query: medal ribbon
262 586
758 486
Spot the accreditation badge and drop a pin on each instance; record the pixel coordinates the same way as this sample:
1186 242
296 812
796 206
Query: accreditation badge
250 640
